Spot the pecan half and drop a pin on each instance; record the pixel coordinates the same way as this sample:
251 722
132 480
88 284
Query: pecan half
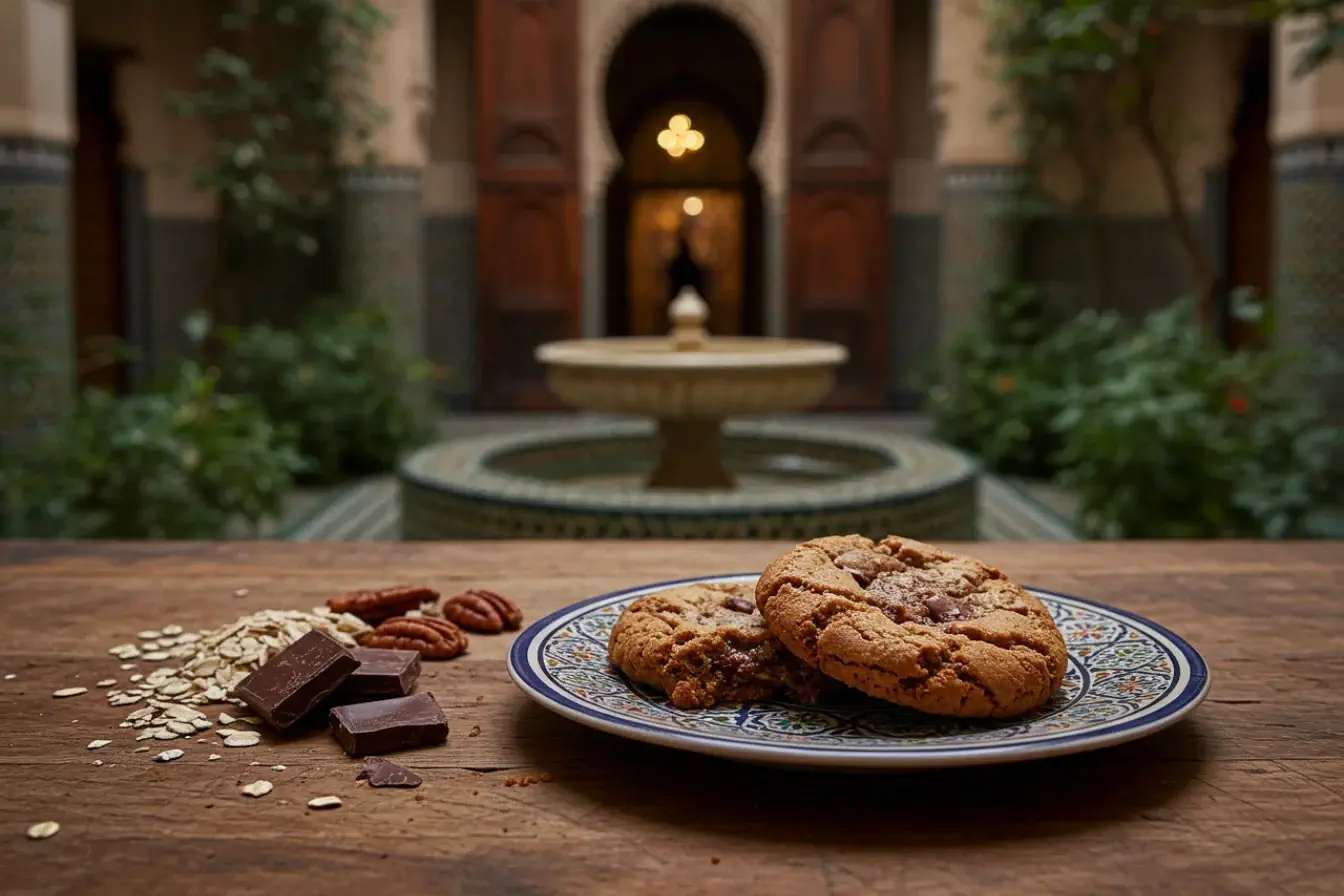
435 639
376 604
478 610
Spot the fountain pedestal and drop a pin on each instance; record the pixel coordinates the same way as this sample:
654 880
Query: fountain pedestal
690 455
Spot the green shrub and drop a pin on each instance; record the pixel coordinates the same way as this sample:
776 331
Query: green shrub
1179 438
183 462
1006 375
340 379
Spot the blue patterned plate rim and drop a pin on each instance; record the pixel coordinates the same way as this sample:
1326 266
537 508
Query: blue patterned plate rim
1189 687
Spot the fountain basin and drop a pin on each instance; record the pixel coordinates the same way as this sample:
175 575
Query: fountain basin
586 480
690 386
730 377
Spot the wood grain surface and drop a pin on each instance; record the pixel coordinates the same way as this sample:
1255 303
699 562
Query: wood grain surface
1247 796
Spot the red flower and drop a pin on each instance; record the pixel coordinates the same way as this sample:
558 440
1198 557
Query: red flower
1003 383
1238 404
1152 28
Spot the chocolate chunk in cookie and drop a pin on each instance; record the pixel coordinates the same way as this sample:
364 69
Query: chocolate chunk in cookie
914 624
707 644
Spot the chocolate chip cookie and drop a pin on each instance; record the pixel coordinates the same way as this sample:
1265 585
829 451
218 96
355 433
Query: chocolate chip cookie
707 644
913 624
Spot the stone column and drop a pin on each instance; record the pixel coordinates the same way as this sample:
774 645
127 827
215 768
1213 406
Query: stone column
980 168
1308 136
382 245
450 206
37 129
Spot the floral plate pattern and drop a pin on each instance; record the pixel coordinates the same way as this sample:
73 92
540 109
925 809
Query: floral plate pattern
1127 678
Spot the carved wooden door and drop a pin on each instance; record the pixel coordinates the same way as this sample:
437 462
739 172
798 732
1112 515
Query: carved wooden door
840 165
527 192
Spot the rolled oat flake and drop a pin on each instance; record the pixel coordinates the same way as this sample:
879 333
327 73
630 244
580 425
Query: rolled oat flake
258 788
43 830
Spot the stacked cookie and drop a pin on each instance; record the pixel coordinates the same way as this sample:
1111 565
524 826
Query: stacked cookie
898 619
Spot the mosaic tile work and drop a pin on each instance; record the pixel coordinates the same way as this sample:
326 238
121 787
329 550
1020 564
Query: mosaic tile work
450 303
1308 259
457 490
383 245
35 286
1126 677
912 304
979 241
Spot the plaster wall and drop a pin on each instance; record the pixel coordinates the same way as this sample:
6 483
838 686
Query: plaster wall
36 69
450 176
164 43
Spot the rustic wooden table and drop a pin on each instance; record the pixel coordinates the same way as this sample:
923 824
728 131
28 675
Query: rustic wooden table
1247 796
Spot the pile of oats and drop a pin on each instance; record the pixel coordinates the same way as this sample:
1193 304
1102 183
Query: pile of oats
214 662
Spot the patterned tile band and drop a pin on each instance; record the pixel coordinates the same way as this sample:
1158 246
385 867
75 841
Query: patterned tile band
481 488
35 275
1308 261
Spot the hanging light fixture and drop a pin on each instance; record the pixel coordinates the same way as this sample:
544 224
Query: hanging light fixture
679 138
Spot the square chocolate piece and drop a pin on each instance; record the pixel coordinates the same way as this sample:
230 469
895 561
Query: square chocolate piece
381 674
297 679
385 726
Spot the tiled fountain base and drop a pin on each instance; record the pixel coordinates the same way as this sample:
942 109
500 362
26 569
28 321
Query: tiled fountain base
582 481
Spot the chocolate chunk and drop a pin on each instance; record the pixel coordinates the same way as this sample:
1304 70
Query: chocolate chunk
381 674
740 604
865 566
385 726
381 772
942 609
297 679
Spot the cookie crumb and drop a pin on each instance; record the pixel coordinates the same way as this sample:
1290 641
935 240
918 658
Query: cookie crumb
714 860
529 780
475 731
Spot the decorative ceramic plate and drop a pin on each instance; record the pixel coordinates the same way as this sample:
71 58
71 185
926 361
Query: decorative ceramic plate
1127 678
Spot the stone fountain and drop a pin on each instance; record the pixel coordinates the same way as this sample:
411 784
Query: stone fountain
690 383
698 471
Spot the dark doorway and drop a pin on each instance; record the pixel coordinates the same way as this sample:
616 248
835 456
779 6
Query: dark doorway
684 210
1250 219
99 250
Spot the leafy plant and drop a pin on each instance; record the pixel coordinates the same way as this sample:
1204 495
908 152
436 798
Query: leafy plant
1079 70
342 381
1007 379
183 461
287 95
1179 438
